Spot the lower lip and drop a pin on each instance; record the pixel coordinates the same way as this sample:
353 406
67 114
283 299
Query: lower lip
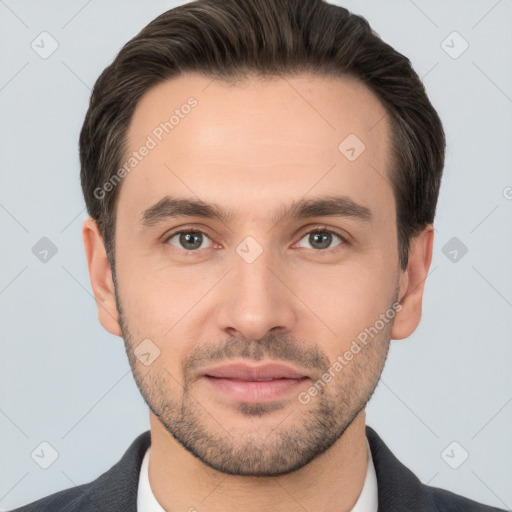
255 391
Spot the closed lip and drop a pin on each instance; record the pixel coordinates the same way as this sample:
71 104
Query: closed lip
261 372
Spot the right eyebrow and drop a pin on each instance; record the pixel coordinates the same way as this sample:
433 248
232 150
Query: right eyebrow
171 207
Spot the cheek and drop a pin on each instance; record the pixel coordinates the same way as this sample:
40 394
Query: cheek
146 302
165 306
344 302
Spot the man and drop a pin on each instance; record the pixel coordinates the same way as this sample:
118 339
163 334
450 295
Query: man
262 178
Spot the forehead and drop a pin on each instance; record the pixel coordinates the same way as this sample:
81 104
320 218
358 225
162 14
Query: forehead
257 140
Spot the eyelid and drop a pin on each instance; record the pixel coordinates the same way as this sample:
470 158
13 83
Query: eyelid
185 229
329 229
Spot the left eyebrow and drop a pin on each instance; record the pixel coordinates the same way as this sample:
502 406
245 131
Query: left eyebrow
325 206
171 207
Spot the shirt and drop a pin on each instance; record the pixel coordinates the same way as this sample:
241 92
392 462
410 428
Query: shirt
367 501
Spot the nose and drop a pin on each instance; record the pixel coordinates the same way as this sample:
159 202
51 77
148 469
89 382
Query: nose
257 297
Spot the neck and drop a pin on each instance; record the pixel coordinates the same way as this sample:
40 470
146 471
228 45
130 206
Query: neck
331 482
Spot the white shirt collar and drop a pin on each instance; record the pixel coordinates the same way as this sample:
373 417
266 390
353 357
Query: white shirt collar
146 501
367 502
368 499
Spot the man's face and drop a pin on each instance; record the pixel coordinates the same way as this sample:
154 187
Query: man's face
258 287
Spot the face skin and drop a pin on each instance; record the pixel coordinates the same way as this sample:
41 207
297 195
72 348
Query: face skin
254 149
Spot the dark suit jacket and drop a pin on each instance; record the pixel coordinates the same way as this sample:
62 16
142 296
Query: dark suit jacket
116 490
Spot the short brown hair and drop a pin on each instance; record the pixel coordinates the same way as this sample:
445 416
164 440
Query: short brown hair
233 39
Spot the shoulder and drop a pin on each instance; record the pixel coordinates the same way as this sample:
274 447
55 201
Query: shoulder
70 500
447 501
113 491
400 490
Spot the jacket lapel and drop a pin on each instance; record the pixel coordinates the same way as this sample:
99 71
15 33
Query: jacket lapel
116 490
399 489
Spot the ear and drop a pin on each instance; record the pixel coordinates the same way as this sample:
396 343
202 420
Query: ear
100 275
412 284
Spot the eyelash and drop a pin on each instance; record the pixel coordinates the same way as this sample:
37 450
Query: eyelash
316 229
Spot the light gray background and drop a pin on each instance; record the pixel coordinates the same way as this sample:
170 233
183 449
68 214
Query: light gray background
64 380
